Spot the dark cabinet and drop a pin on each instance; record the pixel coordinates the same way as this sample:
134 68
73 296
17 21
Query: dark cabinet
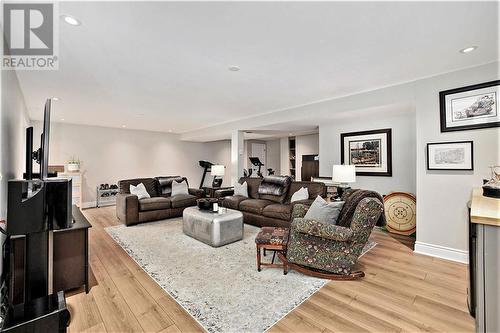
71 257
310 167
69 260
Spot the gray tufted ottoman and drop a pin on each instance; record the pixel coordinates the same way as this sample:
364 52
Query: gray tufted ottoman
213 229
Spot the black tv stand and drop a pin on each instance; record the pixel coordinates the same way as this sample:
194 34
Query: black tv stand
70 260
43 314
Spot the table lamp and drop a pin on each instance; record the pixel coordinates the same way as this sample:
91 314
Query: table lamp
343 174
218 172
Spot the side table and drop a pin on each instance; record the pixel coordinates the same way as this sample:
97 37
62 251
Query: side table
210 191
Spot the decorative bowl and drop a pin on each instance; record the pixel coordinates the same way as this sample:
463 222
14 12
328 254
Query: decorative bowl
206 203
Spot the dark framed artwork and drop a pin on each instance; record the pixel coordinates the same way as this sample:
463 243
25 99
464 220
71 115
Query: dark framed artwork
471 107
456 155
369 151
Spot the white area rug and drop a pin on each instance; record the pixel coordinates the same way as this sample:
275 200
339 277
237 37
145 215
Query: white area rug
219 287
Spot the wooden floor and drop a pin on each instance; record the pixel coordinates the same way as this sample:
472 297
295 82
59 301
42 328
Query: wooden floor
402 292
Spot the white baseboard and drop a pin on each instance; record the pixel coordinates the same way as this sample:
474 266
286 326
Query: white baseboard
93 204
88 204
442 252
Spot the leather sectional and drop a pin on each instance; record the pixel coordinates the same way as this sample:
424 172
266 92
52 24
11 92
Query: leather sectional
161 205
268 202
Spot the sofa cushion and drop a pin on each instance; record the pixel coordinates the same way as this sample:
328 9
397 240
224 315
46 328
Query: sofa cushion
183 200
139 191
241 189
302 194
233 202
313 188
278 211
149 183
253 186
154 204
254 206
179 187
324 212
165 184
274 188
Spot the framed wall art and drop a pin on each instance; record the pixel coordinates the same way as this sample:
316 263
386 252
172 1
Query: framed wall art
458 155
369 151
470 107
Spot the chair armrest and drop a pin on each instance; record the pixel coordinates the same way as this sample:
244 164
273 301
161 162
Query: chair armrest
306 203
298 210
127 208
224 193
199 193
318 229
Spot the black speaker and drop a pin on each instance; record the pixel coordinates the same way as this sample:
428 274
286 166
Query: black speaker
58 199
25 207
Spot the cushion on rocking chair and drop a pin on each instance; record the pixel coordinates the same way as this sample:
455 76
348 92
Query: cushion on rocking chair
323 230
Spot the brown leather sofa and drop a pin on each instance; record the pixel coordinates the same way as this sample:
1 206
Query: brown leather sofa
265 209
130 210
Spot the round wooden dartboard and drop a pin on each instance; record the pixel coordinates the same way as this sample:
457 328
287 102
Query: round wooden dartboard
400 212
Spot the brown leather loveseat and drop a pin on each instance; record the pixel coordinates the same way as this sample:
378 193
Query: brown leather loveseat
161 205
268 202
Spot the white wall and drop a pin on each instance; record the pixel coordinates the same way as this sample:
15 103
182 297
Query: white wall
273 155
403 148
442 195
108 155
248 153
304 145
13 122
284 157
220 154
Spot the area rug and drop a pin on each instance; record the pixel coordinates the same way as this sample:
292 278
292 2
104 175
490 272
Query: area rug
219 287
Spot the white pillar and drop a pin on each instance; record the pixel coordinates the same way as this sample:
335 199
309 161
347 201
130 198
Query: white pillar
237 150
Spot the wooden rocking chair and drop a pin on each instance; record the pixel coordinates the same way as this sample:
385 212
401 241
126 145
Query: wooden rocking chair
330 251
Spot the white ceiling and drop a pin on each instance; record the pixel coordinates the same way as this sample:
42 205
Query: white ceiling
164 66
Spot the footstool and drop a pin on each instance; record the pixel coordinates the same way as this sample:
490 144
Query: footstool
273 239
214 229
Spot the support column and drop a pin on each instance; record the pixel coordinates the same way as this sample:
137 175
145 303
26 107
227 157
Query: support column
237 150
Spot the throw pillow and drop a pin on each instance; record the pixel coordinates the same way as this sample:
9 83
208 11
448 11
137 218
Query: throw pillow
140 191
302 194
241 189
324 212
179 188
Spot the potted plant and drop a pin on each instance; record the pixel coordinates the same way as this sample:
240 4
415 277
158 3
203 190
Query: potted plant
73 165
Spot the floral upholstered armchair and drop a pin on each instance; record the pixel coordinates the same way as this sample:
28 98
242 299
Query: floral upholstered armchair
331 248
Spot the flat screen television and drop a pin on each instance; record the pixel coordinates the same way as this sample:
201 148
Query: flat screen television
41 156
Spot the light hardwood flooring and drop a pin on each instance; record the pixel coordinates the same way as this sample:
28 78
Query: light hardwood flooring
402 292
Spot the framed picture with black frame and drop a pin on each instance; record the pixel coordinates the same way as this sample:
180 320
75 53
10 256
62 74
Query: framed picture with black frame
471 107
369 151
454 155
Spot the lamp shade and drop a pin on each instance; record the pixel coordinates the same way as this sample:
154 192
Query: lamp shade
344 173
217 170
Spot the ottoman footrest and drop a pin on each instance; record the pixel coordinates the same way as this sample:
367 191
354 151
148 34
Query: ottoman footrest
213 229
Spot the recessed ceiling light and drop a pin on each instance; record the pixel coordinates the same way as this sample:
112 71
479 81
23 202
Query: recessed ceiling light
468 49
70 20
55 98
234 68
62 119
169 131
124 126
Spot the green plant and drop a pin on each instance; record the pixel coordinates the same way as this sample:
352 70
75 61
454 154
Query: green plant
74 160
